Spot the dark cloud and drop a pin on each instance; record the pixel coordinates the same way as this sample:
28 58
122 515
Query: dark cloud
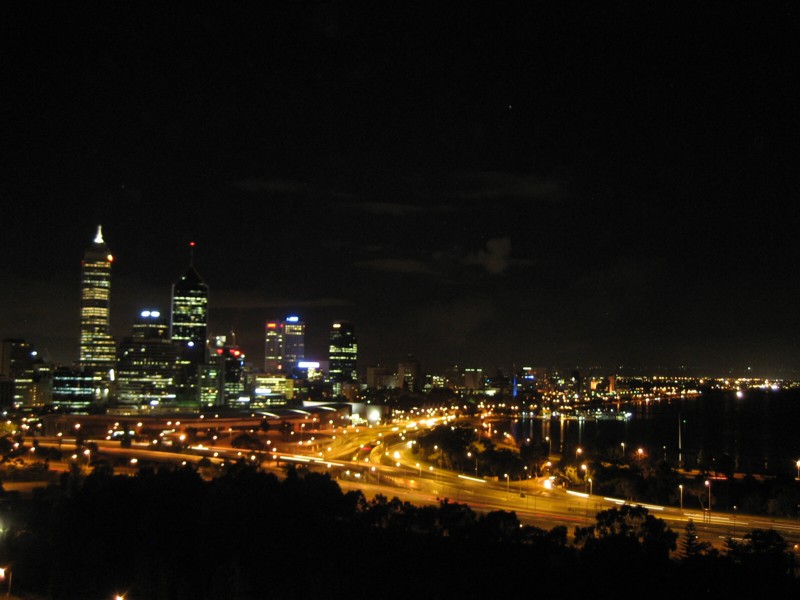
395 265
495 258
492 186
400 210
279 186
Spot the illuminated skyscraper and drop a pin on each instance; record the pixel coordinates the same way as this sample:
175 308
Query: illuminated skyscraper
97 351
223 379
273 348
146 371
27 377
189 322
342 353
284 346
293 343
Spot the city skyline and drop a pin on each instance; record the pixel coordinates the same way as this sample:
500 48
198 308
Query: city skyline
497 186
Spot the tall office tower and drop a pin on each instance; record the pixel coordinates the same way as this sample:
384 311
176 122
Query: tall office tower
29 377
273 348
473 379
409 375
98 352
293 344
454 378
342 353
380 377
146 371
223 380
16 357
72 389
189 326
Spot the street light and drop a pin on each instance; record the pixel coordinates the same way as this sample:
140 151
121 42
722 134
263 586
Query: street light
590 486
469 455
508 483
3 572
797 464
708 485
680 488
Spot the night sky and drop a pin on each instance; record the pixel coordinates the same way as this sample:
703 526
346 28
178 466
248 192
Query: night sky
490 185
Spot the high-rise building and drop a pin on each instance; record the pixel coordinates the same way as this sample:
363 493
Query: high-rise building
273 348
293 344
473 379
97 348
342 353
381 377
29 376
72 389
189 326
409 375
284 346
146 372
223 380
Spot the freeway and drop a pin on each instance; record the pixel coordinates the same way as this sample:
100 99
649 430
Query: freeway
379 459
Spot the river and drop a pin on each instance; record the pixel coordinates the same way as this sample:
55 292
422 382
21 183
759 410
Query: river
756 432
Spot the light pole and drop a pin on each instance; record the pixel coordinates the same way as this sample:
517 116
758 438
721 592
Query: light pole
469 455
797 464
508 484
708 485
734 521
680 489
590 486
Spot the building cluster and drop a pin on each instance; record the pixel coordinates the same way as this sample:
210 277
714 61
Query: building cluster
169 362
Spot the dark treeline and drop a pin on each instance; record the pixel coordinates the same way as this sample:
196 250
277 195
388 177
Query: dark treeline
170 534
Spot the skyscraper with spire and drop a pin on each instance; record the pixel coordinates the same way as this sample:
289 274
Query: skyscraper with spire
97 347
189 324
